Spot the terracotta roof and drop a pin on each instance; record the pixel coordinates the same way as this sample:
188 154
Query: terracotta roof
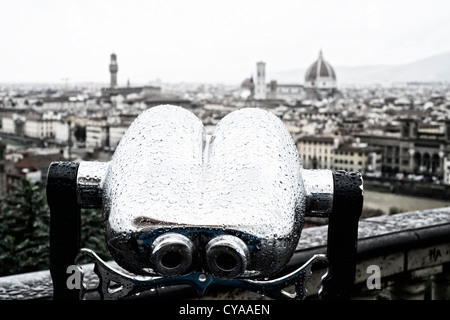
26 163
43 161
248 83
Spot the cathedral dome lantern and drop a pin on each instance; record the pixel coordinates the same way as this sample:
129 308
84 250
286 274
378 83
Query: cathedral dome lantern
320 75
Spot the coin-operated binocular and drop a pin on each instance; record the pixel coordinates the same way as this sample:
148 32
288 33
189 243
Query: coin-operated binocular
182 207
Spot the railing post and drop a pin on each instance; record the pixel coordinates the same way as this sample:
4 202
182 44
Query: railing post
343 234
64 225
440 284
406 288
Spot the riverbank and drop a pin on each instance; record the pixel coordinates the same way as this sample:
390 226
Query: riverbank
408 187
390 203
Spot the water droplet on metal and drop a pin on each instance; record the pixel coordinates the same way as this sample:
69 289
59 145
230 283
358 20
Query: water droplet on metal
167 172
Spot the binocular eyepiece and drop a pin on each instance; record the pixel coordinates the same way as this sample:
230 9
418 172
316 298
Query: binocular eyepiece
176 200
173 254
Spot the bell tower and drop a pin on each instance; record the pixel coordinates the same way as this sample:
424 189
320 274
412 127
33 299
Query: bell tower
113 68
260 87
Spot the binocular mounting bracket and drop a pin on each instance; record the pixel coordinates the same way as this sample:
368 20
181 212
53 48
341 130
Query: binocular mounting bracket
127 285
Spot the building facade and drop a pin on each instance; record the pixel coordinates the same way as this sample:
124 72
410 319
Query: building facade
358 157
62 131
8 124
33 125
97 134
322 152
418 149
116 133
288 92
37 127
317 152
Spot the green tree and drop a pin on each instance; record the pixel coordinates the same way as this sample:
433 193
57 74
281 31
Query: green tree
92 232
24 230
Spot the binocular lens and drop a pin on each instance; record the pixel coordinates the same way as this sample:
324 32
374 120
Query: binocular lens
226 256
172 254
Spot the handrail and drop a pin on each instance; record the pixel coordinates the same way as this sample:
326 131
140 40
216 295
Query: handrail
410 242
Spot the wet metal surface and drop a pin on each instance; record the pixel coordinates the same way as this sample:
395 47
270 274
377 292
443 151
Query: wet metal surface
244 181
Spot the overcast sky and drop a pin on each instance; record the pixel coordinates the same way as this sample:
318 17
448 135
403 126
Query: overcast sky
210 41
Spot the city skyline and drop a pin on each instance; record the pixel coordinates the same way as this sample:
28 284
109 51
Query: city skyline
201 41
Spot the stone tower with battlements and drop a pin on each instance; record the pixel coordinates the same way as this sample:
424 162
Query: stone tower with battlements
113 68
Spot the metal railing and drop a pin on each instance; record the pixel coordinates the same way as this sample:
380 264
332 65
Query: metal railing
403 256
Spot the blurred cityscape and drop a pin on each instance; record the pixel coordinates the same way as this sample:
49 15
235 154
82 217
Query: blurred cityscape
396 135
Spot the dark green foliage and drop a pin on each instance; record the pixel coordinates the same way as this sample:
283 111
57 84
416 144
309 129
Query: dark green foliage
92 232
25 229
394 210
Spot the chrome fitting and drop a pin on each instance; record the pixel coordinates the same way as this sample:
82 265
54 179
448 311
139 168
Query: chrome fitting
90 179
172 254
226 256
319 189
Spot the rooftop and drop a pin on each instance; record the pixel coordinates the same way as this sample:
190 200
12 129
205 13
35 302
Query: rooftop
321 139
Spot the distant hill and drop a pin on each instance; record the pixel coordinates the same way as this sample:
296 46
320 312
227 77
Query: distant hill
432 69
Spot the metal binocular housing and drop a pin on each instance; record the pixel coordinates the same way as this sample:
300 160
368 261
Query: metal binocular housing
176 200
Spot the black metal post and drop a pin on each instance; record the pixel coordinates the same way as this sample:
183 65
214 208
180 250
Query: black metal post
343 235
64 225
